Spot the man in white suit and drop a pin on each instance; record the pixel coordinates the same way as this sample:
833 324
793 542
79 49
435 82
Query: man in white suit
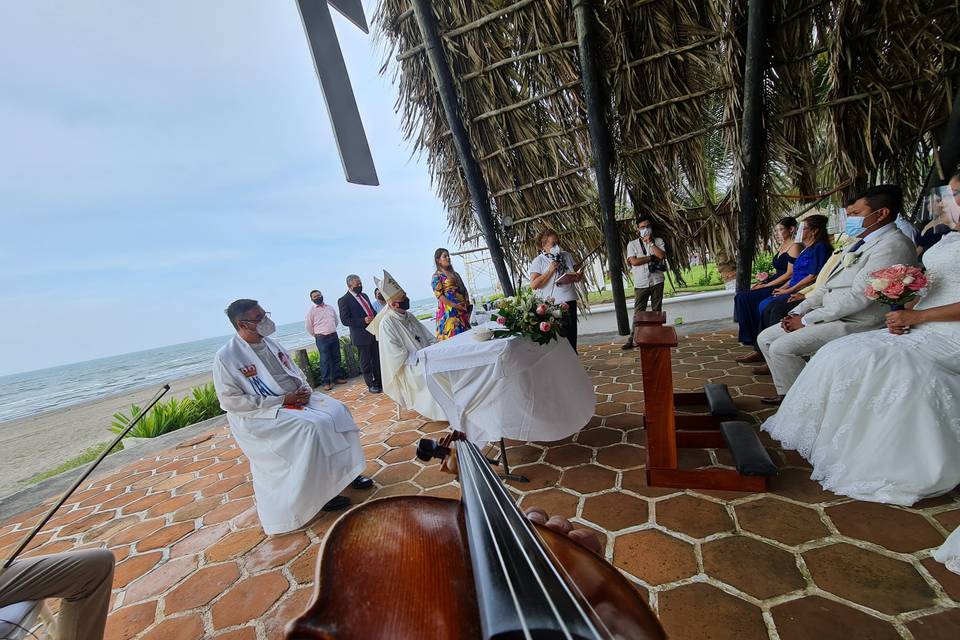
839 306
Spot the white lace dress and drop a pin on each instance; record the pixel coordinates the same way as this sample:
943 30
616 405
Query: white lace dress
878 415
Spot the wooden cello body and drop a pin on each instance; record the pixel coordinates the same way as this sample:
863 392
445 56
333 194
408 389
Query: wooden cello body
410 568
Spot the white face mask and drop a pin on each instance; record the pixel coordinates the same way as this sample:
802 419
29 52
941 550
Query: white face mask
266 327
555 250
645 232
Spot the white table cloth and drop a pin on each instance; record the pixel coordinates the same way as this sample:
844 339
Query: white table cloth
509 387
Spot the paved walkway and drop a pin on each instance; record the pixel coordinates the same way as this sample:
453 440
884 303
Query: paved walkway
797 562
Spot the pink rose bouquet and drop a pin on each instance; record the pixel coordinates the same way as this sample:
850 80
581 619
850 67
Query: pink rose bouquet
896 285
526 315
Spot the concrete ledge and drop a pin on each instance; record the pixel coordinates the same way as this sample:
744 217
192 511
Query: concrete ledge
29 498
695 307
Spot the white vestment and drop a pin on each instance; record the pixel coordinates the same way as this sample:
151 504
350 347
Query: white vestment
300 458
401 336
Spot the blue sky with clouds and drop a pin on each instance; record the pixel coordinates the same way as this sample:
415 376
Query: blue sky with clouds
161 159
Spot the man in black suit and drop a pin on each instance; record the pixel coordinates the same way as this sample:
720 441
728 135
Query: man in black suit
356 312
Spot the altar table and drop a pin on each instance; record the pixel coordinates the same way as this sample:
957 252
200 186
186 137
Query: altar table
509 387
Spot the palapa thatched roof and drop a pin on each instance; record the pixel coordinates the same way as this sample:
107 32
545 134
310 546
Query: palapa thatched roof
855 91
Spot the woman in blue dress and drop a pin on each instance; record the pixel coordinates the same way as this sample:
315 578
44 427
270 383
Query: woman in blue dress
816 252
746 305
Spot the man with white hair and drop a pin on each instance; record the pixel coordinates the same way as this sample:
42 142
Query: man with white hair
303 446
401 336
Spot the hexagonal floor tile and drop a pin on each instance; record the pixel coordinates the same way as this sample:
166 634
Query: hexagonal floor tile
554 501
939 626
622 456
869 578
754 567
568 455
614 511
781 521
599 437
703 612
887 526
693 516
816 617
654 557
588 478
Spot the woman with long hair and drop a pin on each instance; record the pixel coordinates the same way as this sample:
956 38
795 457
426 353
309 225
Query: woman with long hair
453 301
746 305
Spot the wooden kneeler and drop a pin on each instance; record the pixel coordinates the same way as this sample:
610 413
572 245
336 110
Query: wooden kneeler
666 432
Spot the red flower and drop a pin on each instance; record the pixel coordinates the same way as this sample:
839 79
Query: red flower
501 320
544 326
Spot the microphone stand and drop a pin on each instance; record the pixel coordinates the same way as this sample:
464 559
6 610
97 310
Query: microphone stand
30 536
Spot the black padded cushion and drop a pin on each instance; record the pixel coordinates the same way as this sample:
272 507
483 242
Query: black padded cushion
749 456
721 404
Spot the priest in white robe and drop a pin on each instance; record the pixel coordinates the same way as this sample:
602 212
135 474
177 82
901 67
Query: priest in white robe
401 336
303 446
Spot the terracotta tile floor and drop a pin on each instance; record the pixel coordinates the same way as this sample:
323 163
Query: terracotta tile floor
797 562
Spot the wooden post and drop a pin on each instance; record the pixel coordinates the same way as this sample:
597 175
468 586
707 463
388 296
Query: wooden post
655 343
476 184
593 93
751 139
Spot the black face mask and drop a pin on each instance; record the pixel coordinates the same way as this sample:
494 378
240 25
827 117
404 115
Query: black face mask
357 289
405 304
318 300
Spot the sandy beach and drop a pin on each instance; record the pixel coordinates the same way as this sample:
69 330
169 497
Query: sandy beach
37 443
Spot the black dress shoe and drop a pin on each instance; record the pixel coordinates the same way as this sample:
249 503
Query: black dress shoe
337 503
627 346
774 400
361 482
374 389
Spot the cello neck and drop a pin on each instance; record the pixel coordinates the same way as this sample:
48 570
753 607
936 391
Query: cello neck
521 591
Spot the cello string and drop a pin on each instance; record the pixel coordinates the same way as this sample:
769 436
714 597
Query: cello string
513 530
486 519
498 488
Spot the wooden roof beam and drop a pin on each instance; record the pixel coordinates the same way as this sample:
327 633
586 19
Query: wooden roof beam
476 184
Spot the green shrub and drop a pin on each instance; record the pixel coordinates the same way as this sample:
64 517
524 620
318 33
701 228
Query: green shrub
170 415
762 262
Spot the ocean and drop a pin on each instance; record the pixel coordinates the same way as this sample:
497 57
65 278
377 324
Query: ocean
32 392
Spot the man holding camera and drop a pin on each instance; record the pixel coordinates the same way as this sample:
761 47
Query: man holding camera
647 258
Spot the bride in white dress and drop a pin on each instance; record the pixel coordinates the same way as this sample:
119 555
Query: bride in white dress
877 414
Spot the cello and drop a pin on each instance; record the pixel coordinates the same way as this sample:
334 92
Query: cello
429 568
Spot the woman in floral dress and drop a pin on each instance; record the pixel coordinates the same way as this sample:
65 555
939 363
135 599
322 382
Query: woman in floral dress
453 301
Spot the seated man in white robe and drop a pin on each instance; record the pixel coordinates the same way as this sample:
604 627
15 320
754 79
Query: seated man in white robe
401 336
303 446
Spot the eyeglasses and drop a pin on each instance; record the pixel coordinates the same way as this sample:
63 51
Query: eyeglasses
266 314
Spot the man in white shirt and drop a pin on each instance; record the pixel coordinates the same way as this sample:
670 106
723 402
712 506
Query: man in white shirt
400 337
645 256
321 323
552 275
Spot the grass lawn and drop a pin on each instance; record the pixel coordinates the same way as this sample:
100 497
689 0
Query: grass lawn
87 456
697 279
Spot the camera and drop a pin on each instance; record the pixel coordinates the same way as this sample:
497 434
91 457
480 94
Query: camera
657 265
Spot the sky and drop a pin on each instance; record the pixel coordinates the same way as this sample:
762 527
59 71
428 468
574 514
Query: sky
158 160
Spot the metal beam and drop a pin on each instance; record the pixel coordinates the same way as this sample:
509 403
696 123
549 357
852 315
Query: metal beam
751 140
337 90
594 94
476 184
